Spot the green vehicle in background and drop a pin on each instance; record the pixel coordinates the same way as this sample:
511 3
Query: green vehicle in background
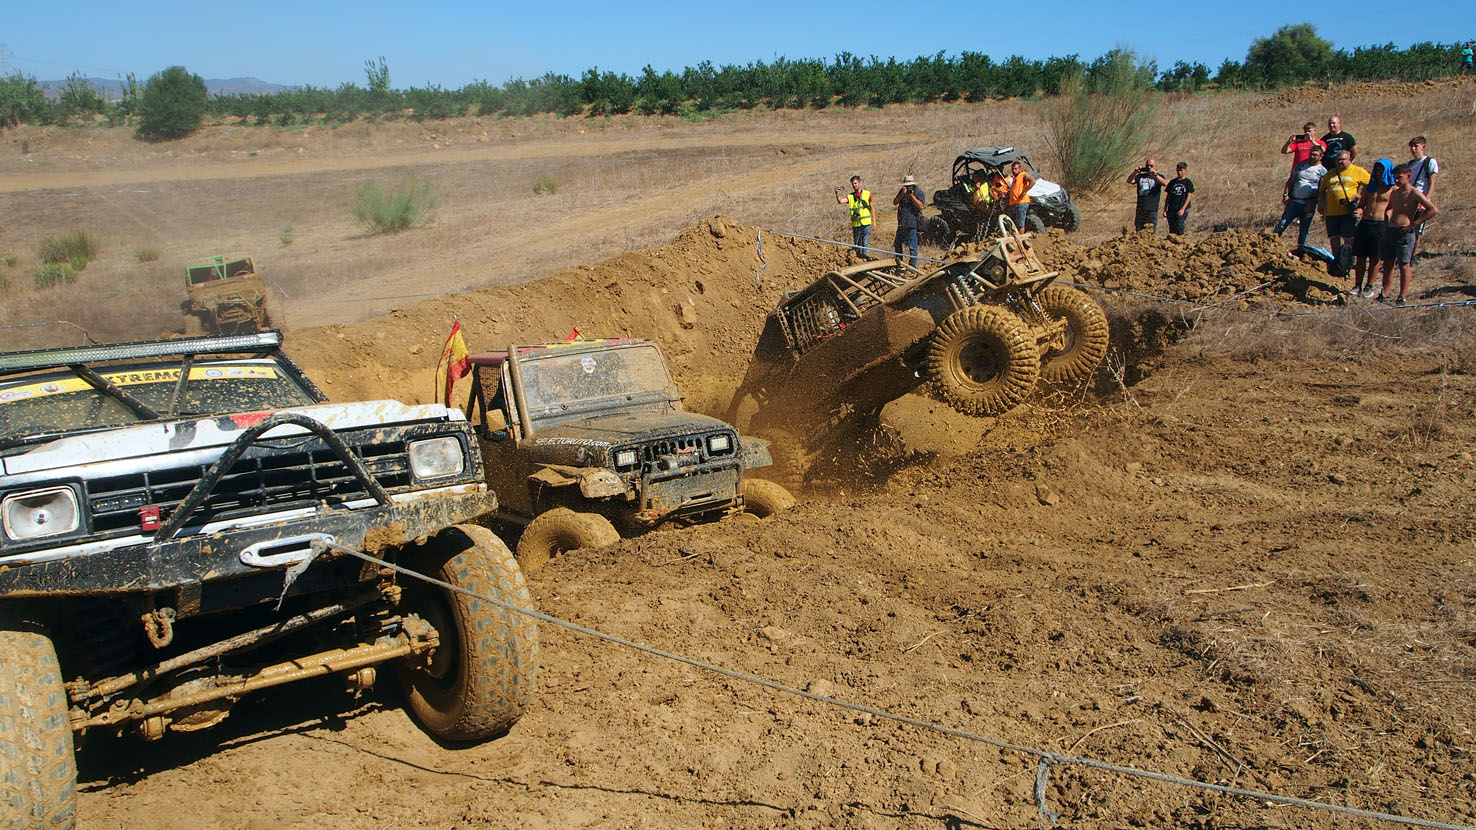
227 296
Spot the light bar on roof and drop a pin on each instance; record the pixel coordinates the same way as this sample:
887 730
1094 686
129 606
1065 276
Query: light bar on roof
44 358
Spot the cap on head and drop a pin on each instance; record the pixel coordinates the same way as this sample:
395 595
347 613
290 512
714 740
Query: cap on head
908 180
1183 165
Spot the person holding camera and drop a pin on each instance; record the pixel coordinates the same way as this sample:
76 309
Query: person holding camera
1299 146
909 202
1338 197
858 202
1150 184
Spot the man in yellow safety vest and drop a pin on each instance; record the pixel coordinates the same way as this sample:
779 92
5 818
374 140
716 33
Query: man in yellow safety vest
858 202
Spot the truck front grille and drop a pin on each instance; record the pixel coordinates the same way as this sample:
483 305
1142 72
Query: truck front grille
265 477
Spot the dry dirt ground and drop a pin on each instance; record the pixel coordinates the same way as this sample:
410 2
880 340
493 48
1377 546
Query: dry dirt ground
1244 554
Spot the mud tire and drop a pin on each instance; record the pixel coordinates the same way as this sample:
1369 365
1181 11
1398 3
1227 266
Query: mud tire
480 679
791 463
936 231
1072 220
561 530
1086 335
1034 223
38 770
983 360
764 498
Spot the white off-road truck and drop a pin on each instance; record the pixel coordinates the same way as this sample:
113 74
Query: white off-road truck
179 525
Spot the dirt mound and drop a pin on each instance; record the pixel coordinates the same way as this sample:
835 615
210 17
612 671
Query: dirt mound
703 297
1208 269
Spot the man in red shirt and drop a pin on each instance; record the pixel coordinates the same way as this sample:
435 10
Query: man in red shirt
1299 145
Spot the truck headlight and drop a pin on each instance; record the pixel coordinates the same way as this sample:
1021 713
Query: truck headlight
437 458
625 458
720 443
40 513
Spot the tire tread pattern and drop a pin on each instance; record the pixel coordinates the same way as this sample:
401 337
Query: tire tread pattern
498 663
764 498
1013 346
558 530
1088 325
38 770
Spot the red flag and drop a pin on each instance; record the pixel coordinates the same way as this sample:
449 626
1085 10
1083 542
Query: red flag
574 334
454 364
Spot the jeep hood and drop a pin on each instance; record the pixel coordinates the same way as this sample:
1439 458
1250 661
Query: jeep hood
211 431
624 428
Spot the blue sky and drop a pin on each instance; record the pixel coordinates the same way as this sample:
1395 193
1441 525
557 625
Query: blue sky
453 43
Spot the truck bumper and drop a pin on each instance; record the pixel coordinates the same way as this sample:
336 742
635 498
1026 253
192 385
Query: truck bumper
142 565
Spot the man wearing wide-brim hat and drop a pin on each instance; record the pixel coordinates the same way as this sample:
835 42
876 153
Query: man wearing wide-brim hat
909 201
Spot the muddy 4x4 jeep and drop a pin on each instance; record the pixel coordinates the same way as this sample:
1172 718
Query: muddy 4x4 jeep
960 219
177 517
582 436
227 296
982 331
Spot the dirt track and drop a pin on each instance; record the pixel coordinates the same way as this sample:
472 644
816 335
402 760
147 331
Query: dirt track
1252 567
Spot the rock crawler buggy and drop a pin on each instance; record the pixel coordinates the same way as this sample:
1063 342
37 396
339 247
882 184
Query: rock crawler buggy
981 332
176 516
583 437
961 219
226 296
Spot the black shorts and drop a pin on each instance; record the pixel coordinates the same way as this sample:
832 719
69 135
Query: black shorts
1397 245
1366 239
1342 225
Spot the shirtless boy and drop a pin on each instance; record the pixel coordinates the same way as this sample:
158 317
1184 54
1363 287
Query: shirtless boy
1374 201
1408 210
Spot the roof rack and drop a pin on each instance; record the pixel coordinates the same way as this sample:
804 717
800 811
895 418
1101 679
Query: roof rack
11 362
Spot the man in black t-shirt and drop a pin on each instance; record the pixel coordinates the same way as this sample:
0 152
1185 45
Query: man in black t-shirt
1337 140
1180 190
1149 183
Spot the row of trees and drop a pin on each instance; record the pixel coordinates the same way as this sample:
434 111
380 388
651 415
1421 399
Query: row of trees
1293 55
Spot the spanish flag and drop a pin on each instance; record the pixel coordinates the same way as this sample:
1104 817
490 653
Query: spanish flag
453 365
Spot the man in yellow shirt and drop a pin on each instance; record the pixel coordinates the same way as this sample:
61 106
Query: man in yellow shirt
1337 201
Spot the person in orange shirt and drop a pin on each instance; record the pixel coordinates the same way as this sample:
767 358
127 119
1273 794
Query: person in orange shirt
1020 183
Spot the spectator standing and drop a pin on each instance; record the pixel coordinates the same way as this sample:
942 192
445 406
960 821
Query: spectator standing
1149 183
1373 203
1299 198
1409 209
1466 57
1337 141
858 202
1337 201
1422 171
1020 183
1299 146
909 202
1180 190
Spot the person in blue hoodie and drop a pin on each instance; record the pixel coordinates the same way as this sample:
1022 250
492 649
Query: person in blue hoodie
1375 203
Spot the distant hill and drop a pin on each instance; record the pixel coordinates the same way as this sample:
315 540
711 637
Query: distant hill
113 89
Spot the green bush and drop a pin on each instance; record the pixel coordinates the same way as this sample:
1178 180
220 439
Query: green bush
75 249
544 184
146 254
52 273
172 104
286 236
1102 120
410 206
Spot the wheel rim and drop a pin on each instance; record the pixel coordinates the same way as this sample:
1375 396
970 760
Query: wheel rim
976 362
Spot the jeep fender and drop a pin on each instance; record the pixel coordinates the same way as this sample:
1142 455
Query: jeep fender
593 482
753 452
